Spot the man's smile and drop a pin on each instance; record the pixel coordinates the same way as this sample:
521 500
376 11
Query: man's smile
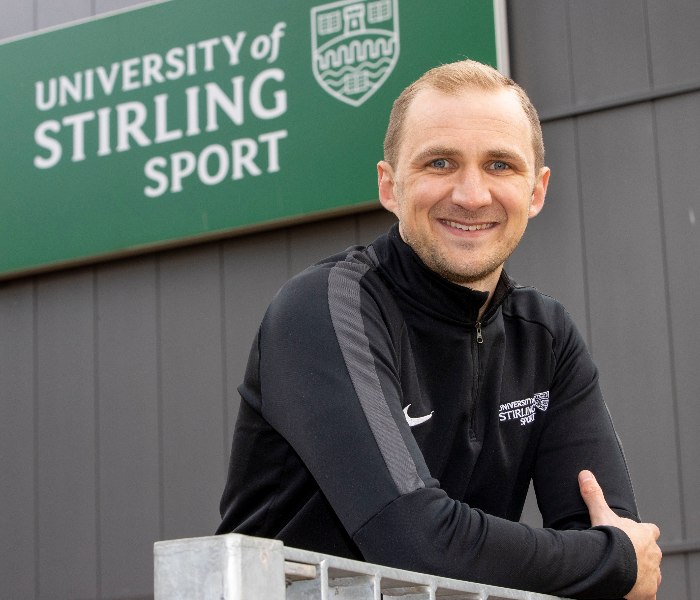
478 227
463 227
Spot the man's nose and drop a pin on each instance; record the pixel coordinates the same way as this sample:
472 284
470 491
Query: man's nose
471 190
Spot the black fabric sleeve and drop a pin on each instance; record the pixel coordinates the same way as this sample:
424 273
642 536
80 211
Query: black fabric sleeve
330 384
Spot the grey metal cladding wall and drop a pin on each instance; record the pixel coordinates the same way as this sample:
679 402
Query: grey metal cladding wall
608 49
128 424
573 56
674 43
629 330
678 126
191 388
618 87
679 147
540 46
18 18
66 441
17 439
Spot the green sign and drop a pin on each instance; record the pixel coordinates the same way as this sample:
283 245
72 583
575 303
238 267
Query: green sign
185 120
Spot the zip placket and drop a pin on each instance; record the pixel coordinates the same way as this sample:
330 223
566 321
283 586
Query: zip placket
479 338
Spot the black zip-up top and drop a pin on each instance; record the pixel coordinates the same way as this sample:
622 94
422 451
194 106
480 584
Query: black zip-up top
381 420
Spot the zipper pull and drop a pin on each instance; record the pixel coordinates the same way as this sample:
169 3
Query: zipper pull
479 337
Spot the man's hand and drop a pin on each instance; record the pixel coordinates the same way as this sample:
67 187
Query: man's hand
642 535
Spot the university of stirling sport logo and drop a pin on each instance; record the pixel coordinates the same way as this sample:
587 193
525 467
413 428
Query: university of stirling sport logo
524 410
354 47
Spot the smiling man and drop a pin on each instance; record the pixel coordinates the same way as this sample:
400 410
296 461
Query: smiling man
400 397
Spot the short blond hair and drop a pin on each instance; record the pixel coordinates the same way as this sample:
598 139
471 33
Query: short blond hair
451 79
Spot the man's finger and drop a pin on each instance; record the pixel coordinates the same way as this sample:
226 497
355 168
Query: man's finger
592 495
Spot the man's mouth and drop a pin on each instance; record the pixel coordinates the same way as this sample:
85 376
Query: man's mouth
463 227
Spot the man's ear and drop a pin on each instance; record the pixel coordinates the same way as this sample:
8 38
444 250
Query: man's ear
385 182
539 192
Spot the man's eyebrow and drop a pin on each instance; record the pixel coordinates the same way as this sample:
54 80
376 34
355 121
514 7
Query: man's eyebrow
506 154
433 151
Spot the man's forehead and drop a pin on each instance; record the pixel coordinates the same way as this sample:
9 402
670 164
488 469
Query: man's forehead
434 115
500 103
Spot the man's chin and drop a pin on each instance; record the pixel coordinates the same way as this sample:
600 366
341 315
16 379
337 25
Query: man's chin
464 275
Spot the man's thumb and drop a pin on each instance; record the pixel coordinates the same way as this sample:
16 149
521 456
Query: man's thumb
592 495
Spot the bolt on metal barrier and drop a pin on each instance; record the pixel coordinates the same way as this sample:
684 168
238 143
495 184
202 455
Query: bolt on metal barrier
238 567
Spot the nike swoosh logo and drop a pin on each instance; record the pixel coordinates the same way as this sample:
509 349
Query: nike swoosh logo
413 421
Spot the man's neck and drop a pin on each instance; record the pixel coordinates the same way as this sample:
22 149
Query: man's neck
487 284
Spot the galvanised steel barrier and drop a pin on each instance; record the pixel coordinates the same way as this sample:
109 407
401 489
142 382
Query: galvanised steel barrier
238 567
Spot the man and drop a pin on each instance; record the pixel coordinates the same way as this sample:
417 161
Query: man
399 398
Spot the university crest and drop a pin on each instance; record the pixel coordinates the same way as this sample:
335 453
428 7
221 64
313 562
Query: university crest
354 47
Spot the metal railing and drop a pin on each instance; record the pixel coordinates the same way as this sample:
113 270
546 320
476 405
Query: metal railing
238 567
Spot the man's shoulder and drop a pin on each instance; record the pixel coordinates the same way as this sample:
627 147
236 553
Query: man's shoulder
352 263
352 269
530 304
345 290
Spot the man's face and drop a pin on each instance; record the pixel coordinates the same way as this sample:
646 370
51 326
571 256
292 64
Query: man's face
465 184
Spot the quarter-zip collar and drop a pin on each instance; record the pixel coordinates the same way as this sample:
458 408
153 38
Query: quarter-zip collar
417 284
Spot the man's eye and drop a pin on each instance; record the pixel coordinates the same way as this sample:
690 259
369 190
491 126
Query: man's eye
440 163
499 165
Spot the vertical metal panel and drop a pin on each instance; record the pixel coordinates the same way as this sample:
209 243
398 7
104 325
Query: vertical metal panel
255 267
127 395
310 243
190 300
373 224
609 49
17 18
694 576
675 578
539 49
66 437
628 301
17 451
675 42
550 256
679 146
51 13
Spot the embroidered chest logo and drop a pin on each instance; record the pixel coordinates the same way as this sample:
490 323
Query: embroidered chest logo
525 409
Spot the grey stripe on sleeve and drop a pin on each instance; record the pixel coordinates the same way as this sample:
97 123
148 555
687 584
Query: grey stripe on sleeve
344 303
